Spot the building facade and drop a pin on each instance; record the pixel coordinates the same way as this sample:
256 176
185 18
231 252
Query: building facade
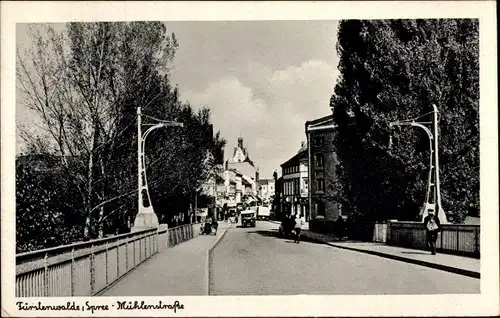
266 189
240 178
295 184
241 162
322 161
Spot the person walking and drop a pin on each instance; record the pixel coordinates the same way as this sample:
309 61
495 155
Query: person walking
298 228
432 228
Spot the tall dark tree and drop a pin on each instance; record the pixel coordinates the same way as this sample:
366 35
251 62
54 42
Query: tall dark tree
396 69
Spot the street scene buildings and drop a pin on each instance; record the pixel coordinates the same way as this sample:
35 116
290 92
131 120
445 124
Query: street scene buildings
240 163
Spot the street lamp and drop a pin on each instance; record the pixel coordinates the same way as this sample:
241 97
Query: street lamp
146 217
433 194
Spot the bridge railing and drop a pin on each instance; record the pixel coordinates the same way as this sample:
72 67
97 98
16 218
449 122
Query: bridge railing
453 238
86 268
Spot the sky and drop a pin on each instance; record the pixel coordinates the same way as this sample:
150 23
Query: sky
262 80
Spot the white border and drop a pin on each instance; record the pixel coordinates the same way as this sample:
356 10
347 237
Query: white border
486 303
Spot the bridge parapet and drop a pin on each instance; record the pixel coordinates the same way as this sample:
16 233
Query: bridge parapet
87 268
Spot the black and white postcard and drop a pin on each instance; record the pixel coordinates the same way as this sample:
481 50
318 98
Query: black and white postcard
249 159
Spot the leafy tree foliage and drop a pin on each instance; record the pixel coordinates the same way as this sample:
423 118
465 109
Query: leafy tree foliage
86 83
396 69
45 214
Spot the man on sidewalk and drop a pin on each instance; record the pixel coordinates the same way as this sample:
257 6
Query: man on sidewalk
298 227
432 227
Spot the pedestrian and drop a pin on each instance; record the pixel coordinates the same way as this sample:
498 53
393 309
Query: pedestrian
215 225
297 228
432 228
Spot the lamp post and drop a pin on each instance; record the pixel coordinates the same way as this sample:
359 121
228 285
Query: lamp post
433 193
146 217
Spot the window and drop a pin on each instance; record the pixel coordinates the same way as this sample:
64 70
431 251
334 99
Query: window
319 160
319 207
319 141
320 185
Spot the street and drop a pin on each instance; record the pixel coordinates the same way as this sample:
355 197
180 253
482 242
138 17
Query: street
254 261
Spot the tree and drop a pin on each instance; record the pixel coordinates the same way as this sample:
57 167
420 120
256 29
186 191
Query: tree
396 69
45 201
86 83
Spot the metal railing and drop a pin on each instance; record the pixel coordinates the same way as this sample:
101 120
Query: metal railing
87 268
453 238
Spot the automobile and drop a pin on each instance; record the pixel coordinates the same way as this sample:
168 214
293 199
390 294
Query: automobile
248 218
263 213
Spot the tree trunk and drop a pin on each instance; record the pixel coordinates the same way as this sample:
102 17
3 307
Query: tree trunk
89 224
101 210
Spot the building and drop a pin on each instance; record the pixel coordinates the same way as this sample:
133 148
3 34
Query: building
322 168
240 178
241 162
266 189
276 203
294 185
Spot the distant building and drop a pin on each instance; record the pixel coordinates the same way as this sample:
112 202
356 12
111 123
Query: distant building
241 162
295 184
266 189
322 168
240 178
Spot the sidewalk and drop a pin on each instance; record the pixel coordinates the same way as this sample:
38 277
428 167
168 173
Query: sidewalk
180 270
451 263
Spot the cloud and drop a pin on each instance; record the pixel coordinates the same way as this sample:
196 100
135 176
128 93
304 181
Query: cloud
268 108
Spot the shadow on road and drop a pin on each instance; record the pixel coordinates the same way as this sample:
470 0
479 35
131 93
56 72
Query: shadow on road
274 233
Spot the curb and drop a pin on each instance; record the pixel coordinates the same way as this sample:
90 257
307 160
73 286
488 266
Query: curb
208 260
446 268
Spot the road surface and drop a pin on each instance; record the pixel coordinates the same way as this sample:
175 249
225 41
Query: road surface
254 261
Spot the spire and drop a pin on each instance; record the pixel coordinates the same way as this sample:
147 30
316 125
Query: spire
240 143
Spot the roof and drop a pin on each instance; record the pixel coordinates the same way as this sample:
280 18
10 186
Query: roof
245 181
325 122
301 154
265 181
247 159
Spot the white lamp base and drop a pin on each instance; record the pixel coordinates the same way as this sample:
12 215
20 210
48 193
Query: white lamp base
145 221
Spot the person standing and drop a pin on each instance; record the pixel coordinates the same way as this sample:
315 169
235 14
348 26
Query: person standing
298 228
432 228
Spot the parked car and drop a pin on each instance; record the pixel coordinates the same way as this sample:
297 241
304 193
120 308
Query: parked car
247 218
263 213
